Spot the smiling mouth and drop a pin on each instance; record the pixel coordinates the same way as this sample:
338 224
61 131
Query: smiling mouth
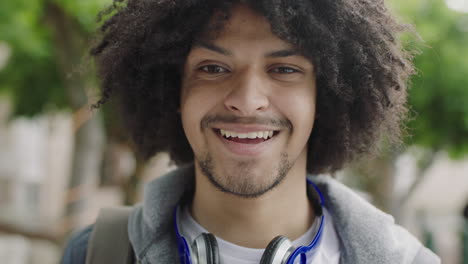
246 138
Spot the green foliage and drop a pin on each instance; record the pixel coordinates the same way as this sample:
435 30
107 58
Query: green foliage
29 75
85 11
439 93
35 84
32 77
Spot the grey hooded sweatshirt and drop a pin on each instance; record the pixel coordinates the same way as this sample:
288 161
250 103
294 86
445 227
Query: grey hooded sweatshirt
367 235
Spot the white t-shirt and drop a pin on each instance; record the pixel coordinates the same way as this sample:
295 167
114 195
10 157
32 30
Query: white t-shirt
328 250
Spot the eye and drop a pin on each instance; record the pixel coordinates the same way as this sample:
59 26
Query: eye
212 68
284 70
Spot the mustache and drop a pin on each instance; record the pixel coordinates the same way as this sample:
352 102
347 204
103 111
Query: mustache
280 123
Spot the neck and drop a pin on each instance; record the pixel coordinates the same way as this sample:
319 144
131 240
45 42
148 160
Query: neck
254 222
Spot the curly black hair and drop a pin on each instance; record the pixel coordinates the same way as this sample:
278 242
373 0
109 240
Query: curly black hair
361 69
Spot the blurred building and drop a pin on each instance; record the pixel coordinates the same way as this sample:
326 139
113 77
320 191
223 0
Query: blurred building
35 165
434 209
35 170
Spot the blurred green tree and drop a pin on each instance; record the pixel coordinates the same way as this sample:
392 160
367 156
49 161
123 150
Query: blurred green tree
48 40
48 70
439 94
438 98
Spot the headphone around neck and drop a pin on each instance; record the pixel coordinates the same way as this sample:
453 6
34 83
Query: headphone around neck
204 249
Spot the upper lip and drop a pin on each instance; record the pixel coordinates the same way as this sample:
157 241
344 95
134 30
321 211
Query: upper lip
241 128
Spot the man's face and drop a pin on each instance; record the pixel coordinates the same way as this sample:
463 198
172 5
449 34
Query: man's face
247 106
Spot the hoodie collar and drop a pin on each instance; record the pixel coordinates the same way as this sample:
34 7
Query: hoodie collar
367 234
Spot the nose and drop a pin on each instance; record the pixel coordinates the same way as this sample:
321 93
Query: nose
249 95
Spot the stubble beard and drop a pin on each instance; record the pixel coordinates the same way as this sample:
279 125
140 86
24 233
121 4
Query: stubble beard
241 182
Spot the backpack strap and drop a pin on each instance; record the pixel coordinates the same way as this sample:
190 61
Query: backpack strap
109 242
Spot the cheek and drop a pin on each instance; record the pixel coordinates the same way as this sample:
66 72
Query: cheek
194 105
188 115
299 107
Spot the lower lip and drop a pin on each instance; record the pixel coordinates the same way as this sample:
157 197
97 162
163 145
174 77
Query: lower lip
243 149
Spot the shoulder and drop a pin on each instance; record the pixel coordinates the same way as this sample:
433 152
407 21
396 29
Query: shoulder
76 248
412 247
367 234
425 256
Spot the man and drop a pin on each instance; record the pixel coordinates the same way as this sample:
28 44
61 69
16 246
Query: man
251 98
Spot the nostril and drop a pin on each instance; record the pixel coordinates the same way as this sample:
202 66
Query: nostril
246 104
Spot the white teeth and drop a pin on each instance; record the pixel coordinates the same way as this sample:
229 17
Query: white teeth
251 135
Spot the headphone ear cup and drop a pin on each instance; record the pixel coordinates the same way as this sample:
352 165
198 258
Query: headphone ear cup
277 251
206 248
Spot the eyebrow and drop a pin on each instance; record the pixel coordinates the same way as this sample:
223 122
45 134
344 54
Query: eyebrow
223 51
213 47
282 53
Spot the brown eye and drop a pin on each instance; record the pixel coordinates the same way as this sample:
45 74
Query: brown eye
213 69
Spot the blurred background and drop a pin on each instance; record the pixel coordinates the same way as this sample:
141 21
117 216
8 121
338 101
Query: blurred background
61 162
